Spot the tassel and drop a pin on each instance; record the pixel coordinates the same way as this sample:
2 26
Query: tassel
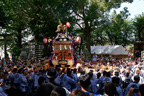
70 47
60 47
52 47
65 47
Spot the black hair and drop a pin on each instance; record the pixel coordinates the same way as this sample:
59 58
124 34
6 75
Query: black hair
41 71
29 66
115 80
84 80
44 90
110 89
15 70
136 78
24 70
108 74
98 75
127 74
91 70
68 73
68 69
34 68
41 80
5 73
82 72
104 73
75 70
57 69
58 91
90 74
20 70
141 89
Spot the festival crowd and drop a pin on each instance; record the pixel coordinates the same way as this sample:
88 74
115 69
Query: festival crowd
102 76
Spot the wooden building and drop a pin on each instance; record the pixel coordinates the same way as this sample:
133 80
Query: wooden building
138 46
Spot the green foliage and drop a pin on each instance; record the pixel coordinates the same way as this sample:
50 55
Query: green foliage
119 28
90 18
139 27
2 18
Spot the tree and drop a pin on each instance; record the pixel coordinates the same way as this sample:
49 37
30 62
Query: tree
37 17
17 24
139 27
118 28
40 18
89 15
3 19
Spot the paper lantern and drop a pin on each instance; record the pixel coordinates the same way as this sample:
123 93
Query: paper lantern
78 39
45 40
68 24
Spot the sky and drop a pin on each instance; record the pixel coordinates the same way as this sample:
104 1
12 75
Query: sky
135 8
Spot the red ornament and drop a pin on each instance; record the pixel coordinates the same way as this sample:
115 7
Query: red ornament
56 51
78 39
68 24
69 51
45 40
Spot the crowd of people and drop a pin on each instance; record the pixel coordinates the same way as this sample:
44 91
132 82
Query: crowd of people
102 76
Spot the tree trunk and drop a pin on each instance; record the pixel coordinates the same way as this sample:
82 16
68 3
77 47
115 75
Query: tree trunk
80 46
19 37
88 37
139 35
116 40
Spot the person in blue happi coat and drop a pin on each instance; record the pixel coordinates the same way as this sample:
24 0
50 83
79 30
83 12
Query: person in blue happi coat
3 83
11 77
2 93
30 81
76 79
107 78
70 83
104 76
116 82
84 82
17 78
93 85
24 83
63 77
134 85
